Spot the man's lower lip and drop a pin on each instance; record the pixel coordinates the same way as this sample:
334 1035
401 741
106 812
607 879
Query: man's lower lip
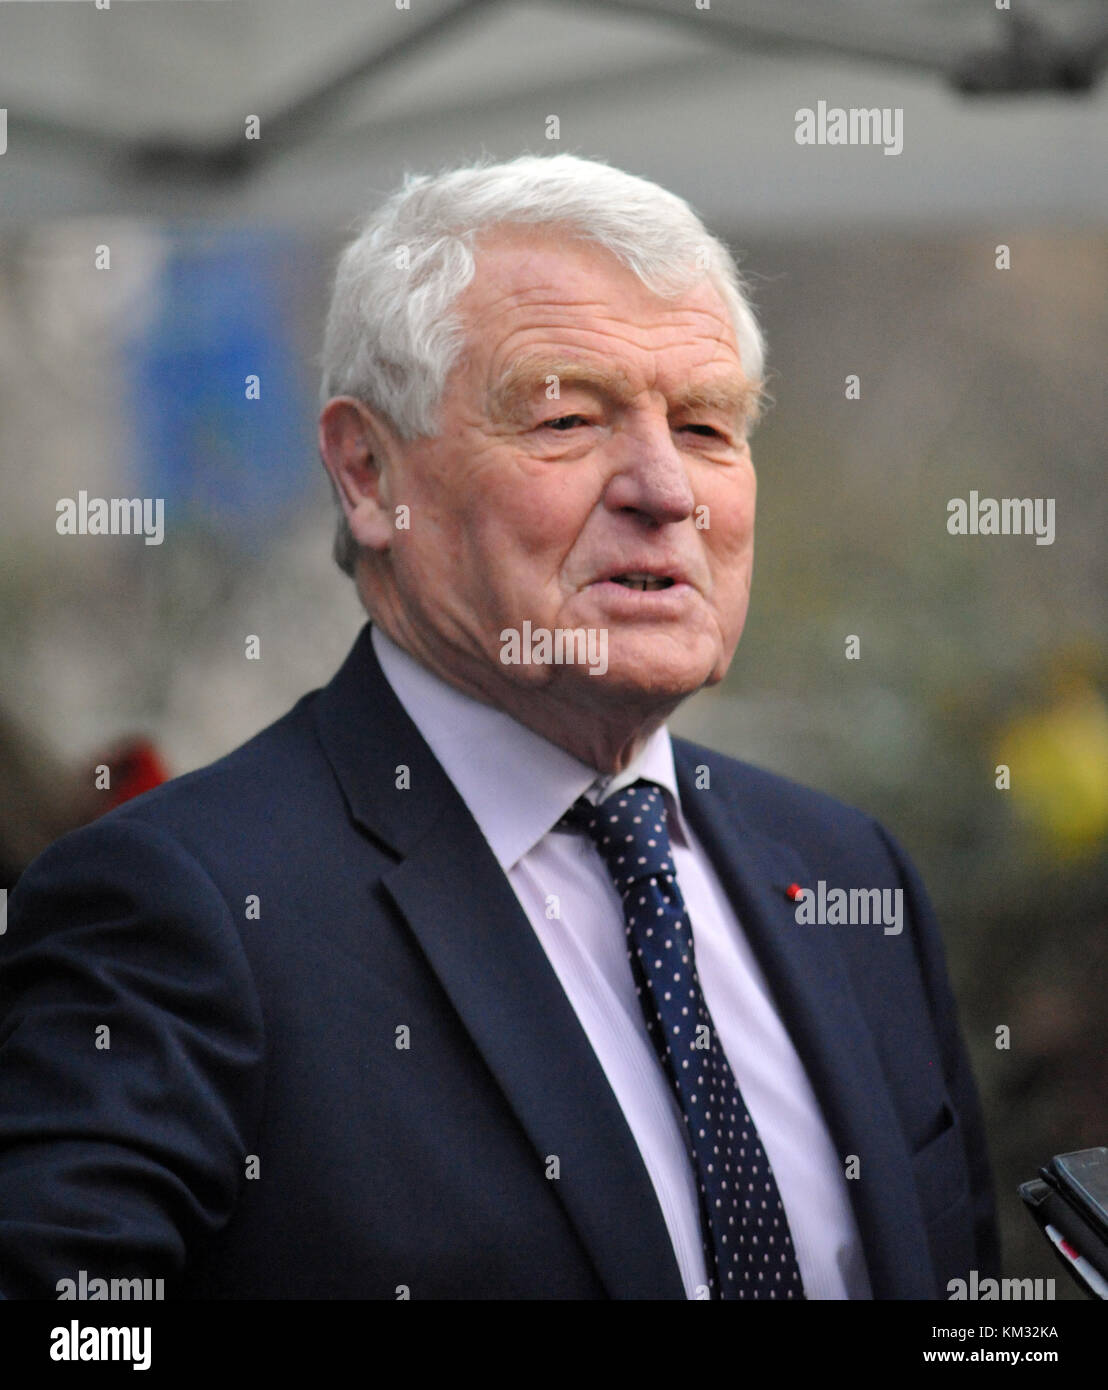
610 588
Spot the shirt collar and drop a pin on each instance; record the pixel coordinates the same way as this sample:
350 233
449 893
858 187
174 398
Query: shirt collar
516 783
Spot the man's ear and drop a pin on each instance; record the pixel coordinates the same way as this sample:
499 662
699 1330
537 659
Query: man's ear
355 446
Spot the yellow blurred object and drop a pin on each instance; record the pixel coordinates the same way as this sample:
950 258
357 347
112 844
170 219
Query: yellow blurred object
1058 757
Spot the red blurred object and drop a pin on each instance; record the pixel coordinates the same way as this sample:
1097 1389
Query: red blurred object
137 767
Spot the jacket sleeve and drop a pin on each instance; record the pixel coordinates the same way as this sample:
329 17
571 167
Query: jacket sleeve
131 1061
958 1074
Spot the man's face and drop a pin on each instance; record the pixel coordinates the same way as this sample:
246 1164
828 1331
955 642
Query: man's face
552 510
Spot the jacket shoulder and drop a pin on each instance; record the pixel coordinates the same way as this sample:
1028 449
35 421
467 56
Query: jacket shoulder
275 767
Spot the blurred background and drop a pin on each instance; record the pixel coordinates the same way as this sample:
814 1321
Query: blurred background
126 129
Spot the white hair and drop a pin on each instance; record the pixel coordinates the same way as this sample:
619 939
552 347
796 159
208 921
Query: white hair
390 339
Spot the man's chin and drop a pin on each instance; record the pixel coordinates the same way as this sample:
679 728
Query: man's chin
633 685
640 667
639 682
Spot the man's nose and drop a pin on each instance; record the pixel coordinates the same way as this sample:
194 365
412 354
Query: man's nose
649 473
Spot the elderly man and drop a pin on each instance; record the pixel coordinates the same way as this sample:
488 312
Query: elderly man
464 979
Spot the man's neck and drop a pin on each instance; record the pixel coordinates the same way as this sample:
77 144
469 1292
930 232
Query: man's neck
604 735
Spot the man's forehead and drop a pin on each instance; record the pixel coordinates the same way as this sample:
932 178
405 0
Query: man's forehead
536 267
541 294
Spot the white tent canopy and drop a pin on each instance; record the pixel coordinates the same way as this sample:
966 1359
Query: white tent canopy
140 109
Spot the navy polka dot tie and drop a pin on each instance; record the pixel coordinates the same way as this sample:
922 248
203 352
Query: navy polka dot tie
748 1250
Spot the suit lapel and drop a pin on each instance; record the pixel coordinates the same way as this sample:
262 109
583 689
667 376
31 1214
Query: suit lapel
818 1006
459 904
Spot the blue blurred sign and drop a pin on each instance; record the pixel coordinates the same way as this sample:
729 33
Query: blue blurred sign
223 314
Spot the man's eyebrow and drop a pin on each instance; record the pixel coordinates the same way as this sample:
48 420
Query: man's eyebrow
737 397
528 377
523 380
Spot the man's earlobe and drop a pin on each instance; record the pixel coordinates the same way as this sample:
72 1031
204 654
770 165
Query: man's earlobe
370 523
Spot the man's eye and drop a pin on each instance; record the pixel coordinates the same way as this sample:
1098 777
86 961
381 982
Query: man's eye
563 422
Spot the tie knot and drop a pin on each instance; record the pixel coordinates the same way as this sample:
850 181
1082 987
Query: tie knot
629 830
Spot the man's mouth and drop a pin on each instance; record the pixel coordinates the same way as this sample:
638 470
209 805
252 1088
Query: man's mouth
641 581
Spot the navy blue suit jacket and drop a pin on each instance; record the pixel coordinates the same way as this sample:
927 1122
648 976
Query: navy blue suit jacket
255 934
